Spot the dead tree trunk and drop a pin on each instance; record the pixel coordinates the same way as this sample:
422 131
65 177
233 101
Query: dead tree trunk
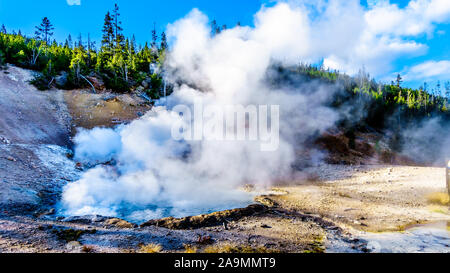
93 88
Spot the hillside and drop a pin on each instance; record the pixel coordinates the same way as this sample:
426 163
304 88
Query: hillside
35 136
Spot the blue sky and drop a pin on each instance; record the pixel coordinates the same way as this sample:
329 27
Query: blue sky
138 17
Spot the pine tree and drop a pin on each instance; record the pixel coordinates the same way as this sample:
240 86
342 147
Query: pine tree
90 49
447 89
108 35
133 45
3 29
399 80
78 62
438 88
154 37
419 97
119 39
164 44
69 41
44 30
215 29
127 47
80 42
154 44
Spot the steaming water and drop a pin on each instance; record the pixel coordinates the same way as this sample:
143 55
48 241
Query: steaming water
426 238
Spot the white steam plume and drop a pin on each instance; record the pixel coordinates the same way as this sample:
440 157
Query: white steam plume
156 175
427 142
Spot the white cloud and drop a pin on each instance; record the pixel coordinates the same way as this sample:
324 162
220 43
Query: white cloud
376 36
418 17
348 36
73 2
429 70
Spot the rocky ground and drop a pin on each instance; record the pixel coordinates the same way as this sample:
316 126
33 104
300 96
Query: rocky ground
343 213
90 110
397 208
329 208
375 198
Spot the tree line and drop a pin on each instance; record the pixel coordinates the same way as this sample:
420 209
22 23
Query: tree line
371 103
119 62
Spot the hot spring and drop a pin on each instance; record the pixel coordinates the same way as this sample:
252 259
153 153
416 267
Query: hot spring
147 169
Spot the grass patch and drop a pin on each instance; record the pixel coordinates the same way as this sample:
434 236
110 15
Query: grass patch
438 198
150 248
438 209
231 248
316 246
69 235
190 249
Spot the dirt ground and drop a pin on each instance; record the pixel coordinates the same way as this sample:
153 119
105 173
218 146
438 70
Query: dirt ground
90 110
372 198
331 208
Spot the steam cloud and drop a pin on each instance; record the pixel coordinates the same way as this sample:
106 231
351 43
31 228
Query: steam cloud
153 175
428 142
